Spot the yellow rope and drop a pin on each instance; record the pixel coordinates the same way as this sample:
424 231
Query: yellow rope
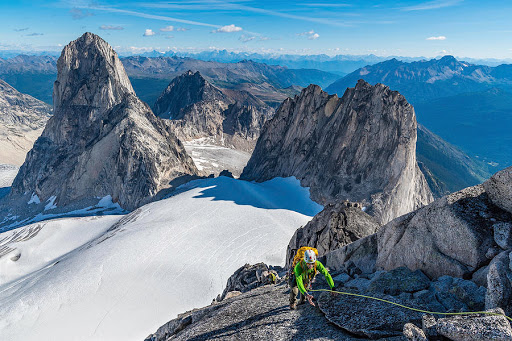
414 309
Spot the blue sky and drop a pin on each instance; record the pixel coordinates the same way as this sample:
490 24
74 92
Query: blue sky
465 28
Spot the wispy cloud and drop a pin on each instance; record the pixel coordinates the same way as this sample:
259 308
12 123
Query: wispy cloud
78 13
110 27
432 5
437 38
148 33
21 29
326 5
216 5
34 34
310 34
167 28
228 29
182 29
150 16
245 38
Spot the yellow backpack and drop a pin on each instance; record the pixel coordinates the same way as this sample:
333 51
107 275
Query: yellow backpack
300 254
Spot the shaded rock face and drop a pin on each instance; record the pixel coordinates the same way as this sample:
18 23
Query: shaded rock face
360 147
198 109
102 140
22 119
334 227
452 236
499 283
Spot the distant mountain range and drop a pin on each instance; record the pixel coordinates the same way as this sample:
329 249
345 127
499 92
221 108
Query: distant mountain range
465 104
35 75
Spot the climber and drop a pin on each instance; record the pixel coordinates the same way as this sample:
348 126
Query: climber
302 276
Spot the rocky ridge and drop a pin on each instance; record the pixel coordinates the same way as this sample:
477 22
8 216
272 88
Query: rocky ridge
198 109
360 147
22 119
108 142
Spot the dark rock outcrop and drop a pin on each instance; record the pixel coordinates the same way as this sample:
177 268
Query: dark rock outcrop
22 119
198 109
360 147
102 140
335 226
248 277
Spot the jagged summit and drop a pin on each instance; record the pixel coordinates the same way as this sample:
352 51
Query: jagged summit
184 90
102 140
360 147
90 74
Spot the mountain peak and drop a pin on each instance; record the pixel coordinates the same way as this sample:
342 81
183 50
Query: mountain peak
184 90
90 73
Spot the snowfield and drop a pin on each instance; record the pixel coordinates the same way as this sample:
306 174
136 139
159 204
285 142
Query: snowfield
122 277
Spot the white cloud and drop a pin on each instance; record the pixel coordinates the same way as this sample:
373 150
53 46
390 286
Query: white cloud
311 35
149 32
228 29
437 38
110 27
182 29
167 29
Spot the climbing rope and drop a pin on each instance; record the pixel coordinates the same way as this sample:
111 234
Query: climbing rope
414 309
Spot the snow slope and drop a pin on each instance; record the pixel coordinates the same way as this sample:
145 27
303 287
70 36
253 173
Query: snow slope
210 158
162 259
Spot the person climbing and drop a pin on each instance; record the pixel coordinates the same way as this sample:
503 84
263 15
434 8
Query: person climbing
302 276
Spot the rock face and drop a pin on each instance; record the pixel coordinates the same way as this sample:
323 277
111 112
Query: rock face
246 278
452 236
102 140
22 119
499 189
360 147
198 109
334 227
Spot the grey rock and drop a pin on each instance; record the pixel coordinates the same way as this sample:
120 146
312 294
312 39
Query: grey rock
398 281
499 284
335 226
22 119
451 236
246 278
361 284
360 147
260 314
362 253
476 328
413 333
367 317
428 325
503 234
492 252
499 188
343 278
102 140
480 276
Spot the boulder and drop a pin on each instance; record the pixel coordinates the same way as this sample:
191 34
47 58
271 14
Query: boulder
362 253
247 278
499 189
499 283
476 328
451 236
413 333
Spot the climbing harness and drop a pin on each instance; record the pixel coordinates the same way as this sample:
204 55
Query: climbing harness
414 309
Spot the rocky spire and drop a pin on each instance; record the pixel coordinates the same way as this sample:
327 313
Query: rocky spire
360 147
102 140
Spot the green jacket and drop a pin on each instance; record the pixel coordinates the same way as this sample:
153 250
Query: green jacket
300 273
